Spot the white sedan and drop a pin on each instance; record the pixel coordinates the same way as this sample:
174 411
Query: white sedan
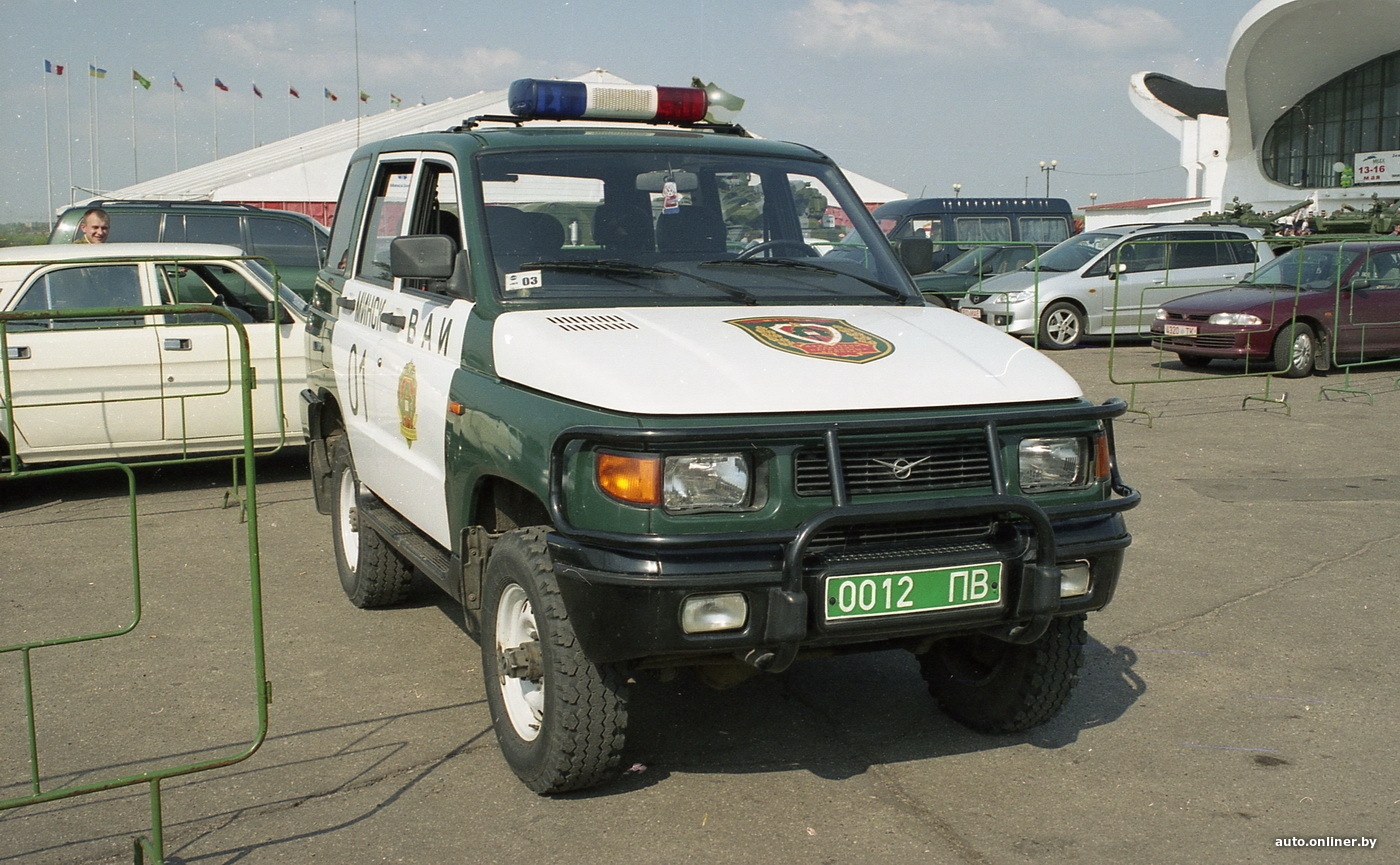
143 383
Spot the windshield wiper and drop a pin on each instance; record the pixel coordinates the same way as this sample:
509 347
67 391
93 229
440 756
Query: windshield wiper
622 267
788 263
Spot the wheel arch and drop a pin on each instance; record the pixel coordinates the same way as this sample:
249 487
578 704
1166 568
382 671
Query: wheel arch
323 419
499 504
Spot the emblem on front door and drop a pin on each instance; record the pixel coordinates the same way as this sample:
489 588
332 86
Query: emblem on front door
408 404
825 338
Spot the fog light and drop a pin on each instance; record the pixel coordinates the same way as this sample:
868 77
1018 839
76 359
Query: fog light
705 613
1074 579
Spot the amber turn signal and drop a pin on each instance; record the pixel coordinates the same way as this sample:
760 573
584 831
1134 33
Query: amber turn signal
630 479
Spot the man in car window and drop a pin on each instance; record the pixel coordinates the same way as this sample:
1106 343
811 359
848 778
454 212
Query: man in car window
94 226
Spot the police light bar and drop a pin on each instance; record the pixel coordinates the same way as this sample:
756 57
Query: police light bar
534 99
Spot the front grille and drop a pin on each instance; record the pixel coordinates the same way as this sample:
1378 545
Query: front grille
892 468
1204 340
872 542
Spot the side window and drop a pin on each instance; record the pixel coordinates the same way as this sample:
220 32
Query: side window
982 229
201 228
436 210
1043 229
921 227
1382 269
287 242
1191 249
1243 249
1141 254
384 222
84 288
343 229
134 227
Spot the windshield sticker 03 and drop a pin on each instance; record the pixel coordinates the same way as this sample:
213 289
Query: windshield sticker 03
825 338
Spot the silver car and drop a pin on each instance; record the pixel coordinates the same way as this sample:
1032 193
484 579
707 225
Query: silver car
1112 280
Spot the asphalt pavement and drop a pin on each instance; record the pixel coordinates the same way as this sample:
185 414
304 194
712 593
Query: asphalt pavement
1239 691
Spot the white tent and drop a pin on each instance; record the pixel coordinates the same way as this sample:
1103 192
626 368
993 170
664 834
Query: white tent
304 172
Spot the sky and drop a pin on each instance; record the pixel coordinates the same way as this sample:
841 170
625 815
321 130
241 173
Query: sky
916 94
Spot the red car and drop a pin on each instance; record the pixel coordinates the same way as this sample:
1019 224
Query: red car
1296 313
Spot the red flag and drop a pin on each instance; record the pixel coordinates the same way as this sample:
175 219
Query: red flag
257 92
293 91
180 86
221 85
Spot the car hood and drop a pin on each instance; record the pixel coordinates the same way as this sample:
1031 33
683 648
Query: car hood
727 360
1016 280
1242 298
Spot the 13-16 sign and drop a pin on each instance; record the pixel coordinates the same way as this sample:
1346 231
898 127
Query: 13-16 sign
1382 166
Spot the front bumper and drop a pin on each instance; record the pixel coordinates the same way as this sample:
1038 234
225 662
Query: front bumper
1218 342
624 593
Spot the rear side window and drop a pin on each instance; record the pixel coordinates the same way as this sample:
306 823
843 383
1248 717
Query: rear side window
1201 249
209 228
286 242
133 227
1043 229
1242 248
982 229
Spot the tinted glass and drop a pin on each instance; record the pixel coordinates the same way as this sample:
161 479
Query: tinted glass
201 228
133 227
287 242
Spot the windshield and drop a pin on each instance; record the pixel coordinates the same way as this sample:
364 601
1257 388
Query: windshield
1307 267
682 226
1077 251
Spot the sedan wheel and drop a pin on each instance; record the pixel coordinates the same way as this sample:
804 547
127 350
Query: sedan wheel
1295 350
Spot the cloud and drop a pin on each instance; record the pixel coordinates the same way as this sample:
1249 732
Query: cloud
955 29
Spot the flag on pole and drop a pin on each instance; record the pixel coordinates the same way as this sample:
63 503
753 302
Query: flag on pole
257 92
331 96
221 85
141 79
178 85
394 100
94 72
364 97
293 92
55 68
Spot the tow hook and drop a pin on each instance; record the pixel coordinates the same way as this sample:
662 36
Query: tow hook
525 661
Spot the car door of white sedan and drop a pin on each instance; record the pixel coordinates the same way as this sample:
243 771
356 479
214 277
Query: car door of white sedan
201 360
88 387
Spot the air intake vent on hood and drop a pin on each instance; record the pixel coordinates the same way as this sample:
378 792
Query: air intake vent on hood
592 322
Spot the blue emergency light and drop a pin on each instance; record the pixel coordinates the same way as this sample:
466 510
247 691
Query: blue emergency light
534 99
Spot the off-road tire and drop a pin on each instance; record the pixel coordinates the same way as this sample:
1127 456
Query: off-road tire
372 573
565 731
1061 326
1295 350
996 687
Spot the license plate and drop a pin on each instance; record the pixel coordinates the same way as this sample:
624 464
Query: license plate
971 312
871 595
1179 329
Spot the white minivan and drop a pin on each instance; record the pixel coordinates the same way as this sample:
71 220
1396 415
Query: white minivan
1111 280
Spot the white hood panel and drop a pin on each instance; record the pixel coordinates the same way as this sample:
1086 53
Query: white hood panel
692 361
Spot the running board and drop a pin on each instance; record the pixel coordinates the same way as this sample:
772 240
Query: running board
435 562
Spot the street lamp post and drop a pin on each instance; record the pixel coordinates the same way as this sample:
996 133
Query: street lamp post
1048 167
1093 196
957 190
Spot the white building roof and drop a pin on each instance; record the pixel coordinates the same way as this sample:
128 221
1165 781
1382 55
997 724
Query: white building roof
310 166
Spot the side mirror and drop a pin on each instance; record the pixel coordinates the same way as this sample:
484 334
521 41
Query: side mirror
916 254
422 256
1117 268
434 257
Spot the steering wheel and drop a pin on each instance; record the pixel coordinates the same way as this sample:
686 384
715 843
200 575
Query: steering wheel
802 249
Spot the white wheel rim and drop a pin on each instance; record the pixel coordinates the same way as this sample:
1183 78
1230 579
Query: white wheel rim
345 520
523 699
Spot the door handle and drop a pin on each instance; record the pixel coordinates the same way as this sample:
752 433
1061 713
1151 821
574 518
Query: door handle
395 321
177 344
18 352
345 303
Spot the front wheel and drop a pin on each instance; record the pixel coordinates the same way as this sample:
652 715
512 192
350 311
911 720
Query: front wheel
559 717
372 573
1295 350
1061 326
996 687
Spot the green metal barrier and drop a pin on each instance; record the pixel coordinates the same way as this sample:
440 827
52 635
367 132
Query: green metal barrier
150 848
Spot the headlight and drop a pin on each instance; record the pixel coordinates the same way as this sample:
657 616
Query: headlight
1019 296
705 482
1161 314
1236 318
687 483
1055 464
